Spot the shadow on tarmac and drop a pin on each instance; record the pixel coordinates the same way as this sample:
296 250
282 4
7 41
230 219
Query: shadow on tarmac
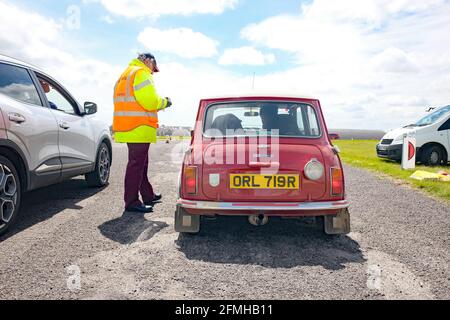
130 228
280 244
42 204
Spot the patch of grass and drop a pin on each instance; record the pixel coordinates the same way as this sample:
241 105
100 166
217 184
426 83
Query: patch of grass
362 154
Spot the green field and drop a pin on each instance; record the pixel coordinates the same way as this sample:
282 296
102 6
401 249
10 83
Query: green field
362 153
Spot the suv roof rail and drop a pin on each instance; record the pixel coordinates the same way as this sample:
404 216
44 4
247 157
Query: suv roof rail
10 59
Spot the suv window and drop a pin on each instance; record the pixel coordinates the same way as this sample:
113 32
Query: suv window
16 83
56 98
262 118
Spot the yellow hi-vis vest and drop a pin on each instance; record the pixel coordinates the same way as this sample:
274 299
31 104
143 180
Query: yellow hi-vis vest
128 113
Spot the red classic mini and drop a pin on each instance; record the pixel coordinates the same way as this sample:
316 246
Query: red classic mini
262 157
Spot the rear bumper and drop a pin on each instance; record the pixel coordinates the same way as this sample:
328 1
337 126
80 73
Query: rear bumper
288 207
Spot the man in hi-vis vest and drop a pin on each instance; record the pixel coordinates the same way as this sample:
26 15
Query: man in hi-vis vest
136 106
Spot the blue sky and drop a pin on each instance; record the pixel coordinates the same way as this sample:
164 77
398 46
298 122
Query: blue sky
375 64
99 39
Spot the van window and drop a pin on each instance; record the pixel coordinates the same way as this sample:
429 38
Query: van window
445 126
16 83
433 117
262 118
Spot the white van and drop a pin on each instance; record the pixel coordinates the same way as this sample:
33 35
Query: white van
432 136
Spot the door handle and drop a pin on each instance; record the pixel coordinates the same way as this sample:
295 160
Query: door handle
17 118
64 126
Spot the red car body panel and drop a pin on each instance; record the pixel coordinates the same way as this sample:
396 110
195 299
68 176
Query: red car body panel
294 154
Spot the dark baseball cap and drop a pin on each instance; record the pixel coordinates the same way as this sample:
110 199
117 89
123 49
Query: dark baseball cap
151 57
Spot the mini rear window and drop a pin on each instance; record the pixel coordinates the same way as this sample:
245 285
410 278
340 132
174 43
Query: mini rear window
16 83
262 118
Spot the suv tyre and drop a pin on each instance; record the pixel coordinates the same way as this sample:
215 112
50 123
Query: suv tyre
10 194
100 176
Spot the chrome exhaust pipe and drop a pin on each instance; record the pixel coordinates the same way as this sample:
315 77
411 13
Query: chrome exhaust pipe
258 220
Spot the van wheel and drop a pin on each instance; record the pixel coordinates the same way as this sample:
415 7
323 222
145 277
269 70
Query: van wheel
186 223
10 194
432 156
100 176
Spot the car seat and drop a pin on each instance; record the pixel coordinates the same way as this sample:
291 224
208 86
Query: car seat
227 122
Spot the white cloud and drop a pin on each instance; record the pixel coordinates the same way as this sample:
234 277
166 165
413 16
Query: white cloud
107 19
370 69
332 31
93 80
186 85
12 34
245 56
310 39
386 58
394 60
374 12
183 42
157 8
88 79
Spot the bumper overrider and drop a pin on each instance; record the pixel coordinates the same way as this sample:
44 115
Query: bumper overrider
309 208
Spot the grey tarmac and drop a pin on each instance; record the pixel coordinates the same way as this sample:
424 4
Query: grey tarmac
398 249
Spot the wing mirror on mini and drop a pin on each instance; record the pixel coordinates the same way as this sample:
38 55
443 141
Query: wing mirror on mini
90 108
335 136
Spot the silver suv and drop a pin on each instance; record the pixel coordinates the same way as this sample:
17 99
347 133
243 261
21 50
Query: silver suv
45 137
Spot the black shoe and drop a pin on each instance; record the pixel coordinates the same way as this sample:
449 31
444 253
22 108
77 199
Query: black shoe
156 198
140 209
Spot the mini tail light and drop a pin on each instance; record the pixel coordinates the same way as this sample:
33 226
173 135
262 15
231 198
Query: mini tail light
190 179
337 182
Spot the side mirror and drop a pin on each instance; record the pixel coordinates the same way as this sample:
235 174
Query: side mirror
334 136
90 108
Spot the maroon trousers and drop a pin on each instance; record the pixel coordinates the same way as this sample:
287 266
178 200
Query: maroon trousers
136 179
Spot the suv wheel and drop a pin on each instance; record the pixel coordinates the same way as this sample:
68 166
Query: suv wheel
432 156
10 194
100 176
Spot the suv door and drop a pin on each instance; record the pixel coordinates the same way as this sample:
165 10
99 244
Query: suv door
29 124
76 136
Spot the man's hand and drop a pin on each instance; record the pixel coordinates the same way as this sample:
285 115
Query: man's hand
169 102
